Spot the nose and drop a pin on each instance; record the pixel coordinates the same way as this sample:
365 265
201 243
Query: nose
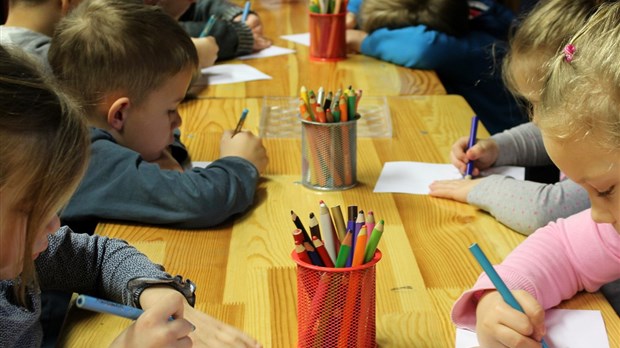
53 225
601 213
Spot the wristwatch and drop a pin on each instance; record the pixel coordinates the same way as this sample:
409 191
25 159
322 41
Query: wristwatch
186 287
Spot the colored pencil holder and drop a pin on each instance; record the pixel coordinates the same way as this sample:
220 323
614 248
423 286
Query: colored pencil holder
329 155
336 306
327 37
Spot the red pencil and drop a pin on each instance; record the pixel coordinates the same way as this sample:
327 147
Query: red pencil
320 249
301 253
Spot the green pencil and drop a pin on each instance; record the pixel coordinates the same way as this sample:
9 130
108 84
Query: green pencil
371 247
345 249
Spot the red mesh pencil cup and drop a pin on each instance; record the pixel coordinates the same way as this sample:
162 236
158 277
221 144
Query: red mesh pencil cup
336 306
327 37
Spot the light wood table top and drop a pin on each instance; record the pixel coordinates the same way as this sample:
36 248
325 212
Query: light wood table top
291 71
243 268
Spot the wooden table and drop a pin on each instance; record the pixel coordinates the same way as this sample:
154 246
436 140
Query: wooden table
243 269
291 71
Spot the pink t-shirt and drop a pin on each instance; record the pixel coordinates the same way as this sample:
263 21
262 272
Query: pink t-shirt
553 264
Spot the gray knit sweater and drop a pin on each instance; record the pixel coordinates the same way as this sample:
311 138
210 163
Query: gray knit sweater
73 262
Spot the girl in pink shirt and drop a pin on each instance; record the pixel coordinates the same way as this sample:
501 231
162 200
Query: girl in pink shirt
579 118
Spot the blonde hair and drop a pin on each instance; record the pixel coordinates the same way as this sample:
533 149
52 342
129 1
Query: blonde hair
447 16
107 46
541 34
43 145
581 95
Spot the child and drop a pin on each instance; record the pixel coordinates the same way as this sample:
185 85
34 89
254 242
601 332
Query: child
523 206
579 118
44 150
464 53
131 83
30 24
234 37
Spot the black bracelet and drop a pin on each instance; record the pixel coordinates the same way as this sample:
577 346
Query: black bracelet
137 285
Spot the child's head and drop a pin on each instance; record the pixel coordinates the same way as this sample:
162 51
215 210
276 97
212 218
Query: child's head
44 151
579 113
447 16
539 36
130 64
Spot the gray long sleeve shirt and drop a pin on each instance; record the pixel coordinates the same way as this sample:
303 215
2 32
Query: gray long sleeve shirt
525 206
120 185
73 262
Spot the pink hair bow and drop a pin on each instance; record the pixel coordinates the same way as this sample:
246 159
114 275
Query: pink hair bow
569 51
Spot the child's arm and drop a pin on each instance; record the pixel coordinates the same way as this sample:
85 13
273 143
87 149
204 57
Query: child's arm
521 145
419 48
139 191
207 49
553 264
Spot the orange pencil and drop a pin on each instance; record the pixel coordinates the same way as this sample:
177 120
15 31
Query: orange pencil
360 248
320 249
342 104
320 114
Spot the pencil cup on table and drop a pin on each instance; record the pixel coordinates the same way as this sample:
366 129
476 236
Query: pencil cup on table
327 37
329 155
336 306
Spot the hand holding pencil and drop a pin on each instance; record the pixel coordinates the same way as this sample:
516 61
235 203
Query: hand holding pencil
246 145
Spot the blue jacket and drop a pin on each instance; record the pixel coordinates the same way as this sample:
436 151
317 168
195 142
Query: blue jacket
468 65
120 185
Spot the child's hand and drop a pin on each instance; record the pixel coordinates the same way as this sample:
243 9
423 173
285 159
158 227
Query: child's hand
498 324
154 329
166 161
211 332
354 40
207 50
485 153
350 21
246 145
453 189
254 23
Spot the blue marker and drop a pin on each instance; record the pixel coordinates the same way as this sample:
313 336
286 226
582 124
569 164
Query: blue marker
497 281
205 32
104 306
246 11
472 141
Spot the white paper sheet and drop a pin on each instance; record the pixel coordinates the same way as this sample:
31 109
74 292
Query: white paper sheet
302 39
415 177
566 328
200 164
270 51
233 73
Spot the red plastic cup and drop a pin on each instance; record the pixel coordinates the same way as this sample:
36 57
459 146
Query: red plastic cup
327 37
336 306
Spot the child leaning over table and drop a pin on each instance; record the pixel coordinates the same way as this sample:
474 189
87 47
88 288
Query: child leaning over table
30 24
44 151
131 83
579 119
463 42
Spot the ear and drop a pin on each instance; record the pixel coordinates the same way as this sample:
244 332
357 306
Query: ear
66 6
118 112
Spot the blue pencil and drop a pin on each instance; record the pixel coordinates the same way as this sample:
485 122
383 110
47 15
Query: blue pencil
205 32
104 306
244 114
472 141
497 281
246 11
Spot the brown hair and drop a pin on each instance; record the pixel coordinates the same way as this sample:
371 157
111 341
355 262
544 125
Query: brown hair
106 46
447 16
43 145
581 96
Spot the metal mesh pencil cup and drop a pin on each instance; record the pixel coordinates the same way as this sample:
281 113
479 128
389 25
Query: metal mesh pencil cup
336 306
329 155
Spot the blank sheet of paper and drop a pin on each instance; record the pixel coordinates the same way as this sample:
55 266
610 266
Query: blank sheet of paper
302 39
270 51
232 73
415 177
566 328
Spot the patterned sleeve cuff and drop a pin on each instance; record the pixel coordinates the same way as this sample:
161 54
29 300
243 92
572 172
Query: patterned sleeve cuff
245 38
231 12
